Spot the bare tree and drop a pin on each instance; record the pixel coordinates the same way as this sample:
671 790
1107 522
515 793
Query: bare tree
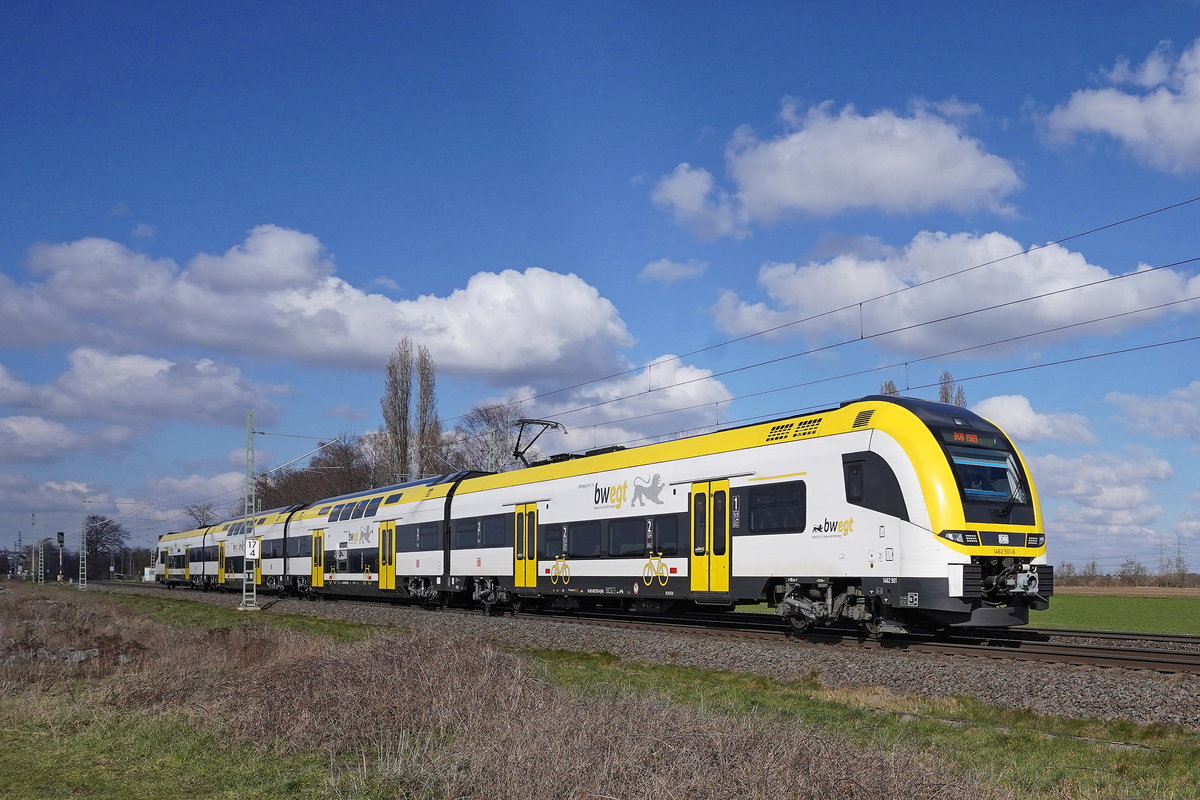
428 459
202 513
104 536
889 388
395 403
485 438
951 391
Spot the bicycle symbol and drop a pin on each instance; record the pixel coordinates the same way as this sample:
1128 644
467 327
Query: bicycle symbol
560 571
655 568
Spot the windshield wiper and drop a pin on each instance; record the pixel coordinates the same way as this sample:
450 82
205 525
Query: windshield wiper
1005 510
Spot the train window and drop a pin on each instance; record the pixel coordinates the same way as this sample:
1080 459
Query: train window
406 538
854 481
496 531
699 522
777 508
666 536
719 531
429 537
466 534
359 509
550 541
372 506
368 560
392 498
871 483
584 539
323 511
627 537
337 510
347 510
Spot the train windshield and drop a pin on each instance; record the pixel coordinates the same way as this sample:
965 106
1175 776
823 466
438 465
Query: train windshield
990 476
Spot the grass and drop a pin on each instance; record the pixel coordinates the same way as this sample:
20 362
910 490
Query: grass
1025 753
62 749
182 613
1121 613
265 705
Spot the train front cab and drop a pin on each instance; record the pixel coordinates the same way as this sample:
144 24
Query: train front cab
981 562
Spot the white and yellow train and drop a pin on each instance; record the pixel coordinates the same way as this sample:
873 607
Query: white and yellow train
887 511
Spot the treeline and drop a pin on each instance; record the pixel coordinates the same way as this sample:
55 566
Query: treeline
1172 573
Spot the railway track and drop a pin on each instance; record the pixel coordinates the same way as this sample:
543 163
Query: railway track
1023 644
1018 644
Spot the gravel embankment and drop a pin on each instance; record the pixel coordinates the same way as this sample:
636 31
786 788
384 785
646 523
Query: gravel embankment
1068 690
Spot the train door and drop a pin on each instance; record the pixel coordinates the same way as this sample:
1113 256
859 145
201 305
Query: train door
318 559
708 564
187 562
387 555
258 562
221 563
525 551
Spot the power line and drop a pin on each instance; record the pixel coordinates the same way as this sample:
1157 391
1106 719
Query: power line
881 334
810 318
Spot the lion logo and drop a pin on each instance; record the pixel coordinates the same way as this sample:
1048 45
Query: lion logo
650 488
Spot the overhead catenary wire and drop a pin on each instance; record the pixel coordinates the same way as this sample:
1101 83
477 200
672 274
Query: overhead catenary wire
855 304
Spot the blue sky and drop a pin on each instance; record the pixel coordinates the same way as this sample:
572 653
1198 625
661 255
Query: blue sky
208 208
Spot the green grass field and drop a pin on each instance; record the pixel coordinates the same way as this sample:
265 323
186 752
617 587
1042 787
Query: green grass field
1120 613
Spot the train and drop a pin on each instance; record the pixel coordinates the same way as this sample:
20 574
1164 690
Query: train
886 512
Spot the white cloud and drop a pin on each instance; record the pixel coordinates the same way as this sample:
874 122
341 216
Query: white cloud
667 271
1157 124
1175 414
799 291
30 438
134 388
173 494
634 409
144 230
1107 493
1015 414
830 162
691 195
276 295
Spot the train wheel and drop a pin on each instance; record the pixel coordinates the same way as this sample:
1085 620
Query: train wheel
799 624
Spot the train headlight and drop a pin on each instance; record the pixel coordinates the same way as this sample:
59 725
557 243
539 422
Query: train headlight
968 538
1035 540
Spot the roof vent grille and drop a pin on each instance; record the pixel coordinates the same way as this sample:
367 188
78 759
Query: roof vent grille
863 418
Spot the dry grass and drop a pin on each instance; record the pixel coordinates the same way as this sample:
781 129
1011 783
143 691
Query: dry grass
443 718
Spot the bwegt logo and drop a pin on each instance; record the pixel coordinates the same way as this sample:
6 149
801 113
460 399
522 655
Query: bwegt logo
842 526
612 495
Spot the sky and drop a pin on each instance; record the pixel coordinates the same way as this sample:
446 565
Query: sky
650 218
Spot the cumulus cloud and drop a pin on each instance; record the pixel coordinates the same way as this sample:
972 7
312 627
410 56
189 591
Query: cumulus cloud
276 295
1014 413
1107 493
800 291
173 494
830 162
634 409
126 388
33 438
667 271
1176 414
1156 120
